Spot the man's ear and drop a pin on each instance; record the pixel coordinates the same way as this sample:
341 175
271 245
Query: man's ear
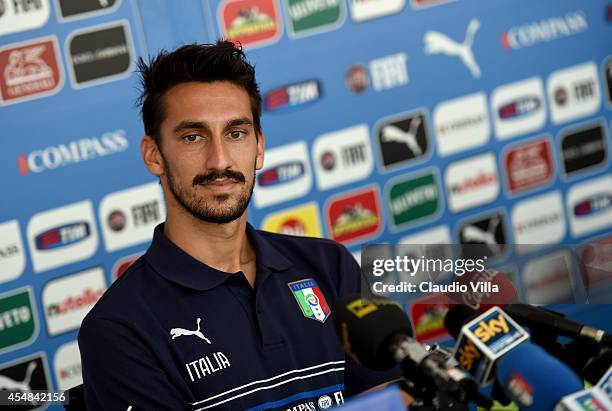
151 156
259 162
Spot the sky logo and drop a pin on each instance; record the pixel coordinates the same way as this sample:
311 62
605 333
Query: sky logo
281 173
62 236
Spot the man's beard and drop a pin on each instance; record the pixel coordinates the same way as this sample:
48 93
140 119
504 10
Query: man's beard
203 210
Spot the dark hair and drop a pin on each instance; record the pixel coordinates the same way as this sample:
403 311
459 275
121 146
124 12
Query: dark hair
223 61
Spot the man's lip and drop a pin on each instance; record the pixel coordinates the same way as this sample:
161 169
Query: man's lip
220 184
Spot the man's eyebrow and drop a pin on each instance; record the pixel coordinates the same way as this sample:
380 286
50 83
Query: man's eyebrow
243 121
190 124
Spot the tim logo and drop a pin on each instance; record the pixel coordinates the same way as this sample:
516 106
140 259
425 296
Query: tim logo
593 205
62 236
520 107
281 173
293 95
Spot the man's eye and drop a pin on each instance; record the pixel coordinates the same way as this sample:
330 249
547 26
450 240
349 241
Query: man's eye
192 138
236 134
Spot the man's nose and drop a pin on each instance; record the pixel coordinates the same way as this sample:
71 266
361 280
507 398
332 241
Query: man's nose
217 154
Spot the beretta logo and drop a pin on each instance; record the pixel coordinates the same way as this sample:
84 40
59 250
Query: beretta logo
308 17
129 216
583 149
462 124
548 279
589 205
18 319
518 108
66 300
21 15
403 140
67 366
293 95
529 165
362 10
62 235
286 175
100 54
539 220
342 156
354 216
574 92
30 70
12 255
27 375
412 199
251 22
76 151
303 220
72 10
545 30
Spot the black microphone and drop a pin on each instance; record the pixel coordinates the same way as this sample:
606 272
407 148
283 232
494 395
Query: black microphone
542 319
377 333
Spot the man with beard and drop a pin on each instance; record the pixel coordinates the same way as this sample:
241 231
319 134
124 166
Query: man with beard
217 314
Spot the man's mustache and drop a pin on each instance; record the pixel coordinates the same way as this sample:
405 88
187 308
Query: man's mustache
215 174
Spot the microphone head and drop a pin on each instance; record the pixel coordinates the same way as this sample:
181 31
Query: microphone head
366 327
456 317
534 379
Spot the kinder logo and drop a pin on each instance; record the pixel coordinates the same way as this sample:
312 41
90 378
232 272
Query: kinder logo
12 255
21 15
539 220
30 70
292 96
68 299
545 30
285 176
472 182
130 215
518 108
590 205
574 92
354 216
462 124
250 22
67 366
529 165
280 174
584 149
303 221
62 235
75 152
343 157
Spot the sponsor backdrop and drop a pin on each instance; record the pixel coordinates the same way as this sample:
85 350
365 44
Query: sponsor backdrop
421 121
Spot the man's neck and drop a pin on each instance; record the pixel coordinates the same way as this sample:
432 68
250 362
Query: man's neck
224 247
